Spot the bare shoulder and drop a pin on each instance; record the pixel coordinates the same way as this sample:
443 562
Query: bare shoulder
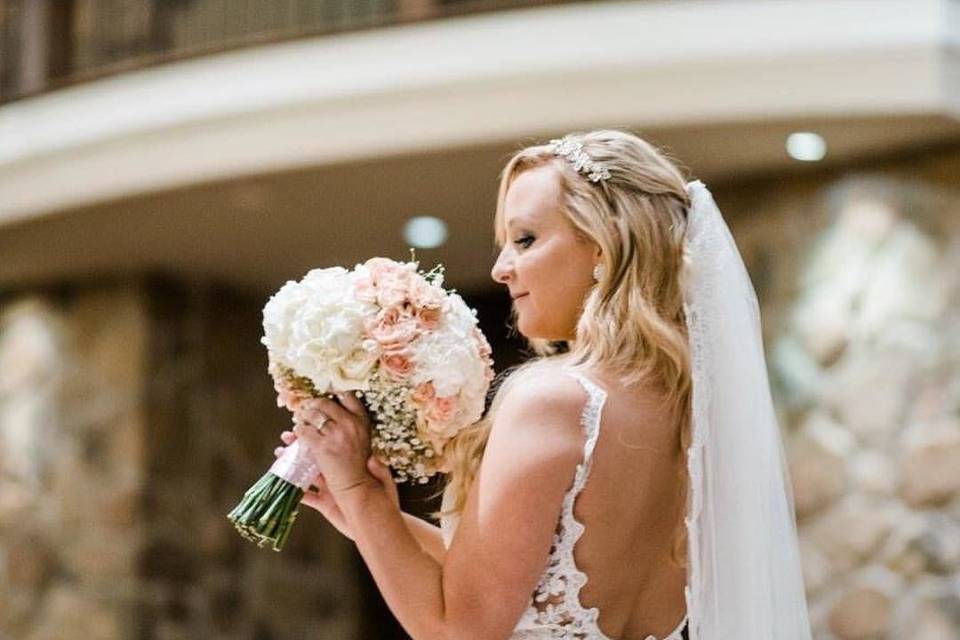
503 541
542 398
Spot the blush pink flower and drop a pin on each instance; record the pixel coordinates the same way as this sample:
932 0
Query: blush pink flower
380 267
393 289
393 329
441 409
398 365
483 347
424 295
391 280
428 319
423 393
289 398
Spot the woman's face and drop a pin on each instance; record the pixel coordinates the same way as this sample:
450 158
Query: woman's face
546 266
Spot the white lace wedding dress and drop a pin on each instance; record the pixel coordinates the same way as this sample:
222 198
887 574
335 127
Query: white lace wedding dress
555 611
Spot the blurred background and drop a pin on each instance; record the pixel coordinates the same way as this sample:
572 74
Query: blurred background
166 165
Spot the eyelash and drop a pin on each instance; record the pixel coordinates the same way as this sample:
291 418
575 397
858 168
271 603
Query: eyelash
525 239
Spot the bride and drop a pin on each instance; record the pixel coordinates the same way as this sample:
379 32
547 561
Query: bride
629 482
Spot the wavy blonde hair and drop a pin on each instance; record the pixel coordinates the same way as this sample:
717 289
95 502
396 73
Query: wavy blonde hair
632 324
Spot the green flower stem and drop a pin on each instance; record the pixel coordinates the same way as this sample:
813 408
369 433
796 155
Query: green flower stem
267 511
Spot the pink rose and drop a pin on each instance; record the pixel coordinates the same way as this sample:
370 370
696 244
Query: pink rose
399 365
441 409
428 319
426 295
379 267
423 393
390 280
289 398
483 347
393 288
393 329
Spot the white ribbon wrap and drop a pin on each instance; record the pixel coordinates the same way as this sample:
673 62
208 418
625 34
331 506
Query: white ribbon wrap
296 466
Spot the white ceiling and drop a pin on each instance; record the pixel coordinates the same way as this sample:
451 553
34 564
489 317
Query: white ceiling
257 232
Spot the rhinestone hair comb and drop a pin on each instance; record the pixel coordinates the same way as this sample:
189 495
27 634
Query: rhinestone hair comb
573 151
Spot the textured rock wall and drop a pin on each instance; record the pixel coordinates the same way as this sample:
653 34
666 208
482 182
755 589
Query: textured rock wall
132 417
71 470
859 278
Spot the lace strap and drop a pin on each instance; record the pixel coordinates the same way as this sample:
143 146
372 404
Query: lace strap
590 422
556 604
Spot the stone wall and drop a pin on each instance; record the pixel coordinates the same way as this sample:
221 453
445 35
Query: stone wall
71 473
859 278
133 415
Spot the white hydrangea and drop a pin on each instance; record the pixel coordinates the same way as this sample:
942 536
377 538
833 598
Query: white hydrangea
315 327
449 359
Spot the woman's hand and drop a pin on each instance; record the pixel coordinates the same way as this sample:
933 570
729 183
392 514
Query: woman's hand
318 496
337 435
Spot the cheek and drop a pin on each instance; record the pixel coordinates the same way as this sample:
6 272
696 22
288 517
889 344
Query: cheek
548 273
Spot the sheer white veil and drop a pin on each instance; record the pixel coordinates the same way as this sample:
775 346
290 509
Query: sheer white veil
744 580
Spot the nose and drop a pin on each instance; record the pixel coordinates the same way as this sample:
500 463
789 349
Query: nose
502 269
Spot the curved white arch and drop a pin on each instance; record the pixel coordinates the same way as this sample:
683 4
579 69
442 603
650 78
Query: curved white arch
480 78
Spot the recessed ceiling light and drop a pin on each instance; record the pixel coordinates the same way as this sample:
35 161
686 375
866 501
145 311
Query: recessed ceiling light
806 146
425 232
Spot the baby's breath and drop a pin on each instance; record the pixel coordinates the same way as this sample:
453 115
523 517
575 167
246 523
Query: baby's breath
395 440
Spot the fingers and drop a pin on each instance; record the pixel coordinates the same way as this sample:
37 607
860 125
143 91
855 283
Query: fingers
381 472
314 501
288 438
308 433
334 409
312 417
352 403
322 501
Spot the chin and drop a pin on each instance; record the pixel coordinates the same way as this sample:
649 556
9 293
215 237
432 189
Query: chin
540 333
527 331
530 329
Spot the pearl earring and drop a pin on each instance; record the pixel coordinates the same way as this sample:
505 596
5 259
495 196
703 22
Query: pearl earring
597 272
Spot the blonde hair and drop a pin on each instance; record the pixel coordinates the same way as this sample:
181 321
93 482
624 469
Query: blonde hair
632 324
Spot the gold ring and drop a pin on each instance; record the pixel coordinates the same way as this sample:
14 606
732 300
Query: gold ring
326 419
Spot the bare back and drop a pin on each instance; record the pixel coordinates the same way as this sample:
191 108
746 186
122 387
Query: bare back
632 511
610 572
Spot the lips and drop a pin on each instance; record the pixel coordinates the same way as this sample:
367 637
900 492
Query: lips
519 295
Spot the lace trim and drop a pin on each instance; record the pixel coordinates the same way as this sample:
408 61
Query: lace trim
699 294
699 409
568 618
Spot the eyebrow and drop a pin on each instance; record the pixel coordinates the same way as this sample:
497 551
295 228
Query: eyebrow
519 219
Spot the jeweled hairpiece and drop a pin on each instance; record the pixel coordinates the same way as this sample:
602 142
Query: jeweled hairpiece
573 151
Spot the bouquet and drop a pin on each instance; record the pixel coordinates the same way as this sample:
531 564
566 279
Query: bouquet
411 351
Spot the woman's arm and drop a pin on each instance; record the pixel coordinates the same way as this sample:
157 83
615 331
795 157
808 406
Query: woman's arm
428 535
503 541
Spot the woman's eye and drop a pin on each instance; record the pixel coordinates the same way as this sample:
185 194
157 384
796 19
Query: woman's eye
524 242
